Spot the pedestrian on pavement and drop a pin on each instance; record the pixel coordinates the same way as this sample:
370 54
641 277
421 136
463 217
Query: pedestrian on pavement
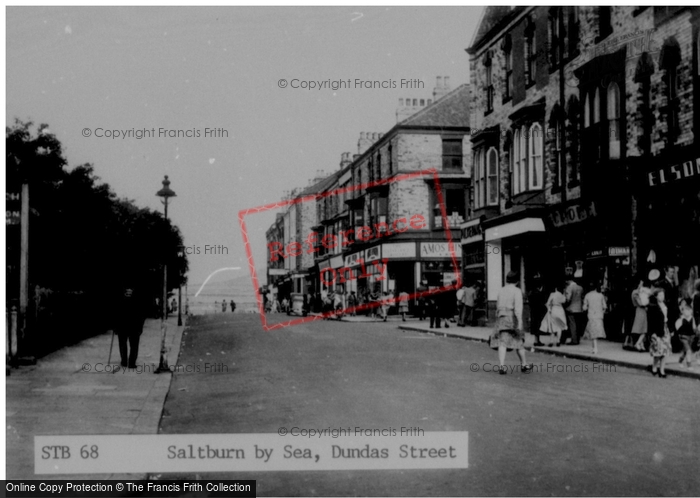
173 306
422 302
595 304
640 300
660 345
469 300
671 295
696 302
433 309
403 304
575 316
460 305
451 302
352 303
385 303
509 333
130 317
233 306
223 306
216 306
554 321
445 302
686 328
537 299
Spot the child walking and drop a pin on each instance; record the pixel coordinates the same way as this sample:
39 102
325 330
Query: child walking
660 346
686 330
594 302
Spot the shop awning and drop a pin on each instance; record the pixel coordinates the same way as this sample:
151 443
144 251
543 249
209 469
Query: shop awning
514 228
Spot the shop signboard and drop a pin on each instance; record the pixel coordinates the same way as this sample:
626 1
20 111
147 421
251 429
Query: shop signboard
400 250
353 260
439 250
472 232
668 174
572 214
372 253
336 261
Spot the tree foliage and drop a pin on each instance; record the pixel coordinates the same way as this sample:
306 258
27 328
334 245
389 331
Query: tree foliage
83 238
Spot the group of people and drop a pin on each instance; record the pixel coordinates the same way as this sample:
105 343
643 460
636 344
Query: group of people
662 315
224 305
444 306
567 313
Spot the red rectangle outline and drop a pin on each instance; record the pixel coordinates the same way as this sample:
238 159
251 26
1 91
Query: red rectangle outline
406 176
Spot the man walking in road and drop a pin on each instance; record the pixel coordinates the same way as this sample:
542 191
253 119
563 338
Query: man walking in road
129 326
575 317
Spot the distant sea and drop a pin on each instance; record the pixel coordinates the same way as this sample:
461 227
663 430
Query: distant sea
209 300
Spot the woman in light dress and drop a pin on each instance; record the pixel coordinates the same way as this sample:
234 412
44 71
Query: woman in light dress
660 345
594 302
640 300
554 321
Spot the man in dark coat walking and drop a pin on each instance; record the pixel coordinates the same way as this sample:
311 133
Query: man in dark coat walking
129 326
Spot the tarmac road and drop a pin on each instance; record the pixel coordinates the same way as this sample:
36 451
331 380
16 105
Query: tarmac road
587 431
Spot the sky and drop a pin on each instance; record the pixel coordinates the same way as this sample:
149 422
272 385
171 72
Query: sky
86 71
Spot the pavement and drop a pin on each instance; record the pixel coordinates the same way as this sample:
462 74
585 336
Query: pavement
74 391
608 352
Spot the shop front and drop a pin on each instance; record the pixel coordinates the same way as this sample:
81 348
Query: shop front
591 242
516 244
473 252
440 264
668 219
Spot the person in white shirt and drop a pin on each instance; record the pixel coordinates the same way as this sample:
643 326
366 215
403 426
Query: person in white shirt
509 332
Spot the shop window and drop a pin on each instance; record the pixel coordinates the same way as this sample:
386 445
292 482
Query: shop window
452 155
516 159
379 211
571 134
669 62
391 159
595 111
554 36
530 53
573 30
488 84
508 80
455 206
613 116
535 157
604 22
479 179
557 159
492 180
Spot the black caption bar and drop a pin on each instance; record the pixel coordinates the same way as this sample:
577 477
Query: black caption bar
109 489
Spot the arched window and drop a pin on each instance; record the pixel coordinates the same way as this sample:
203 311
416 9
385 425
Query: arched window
492 179
515 164
523 159
587 112
535 157
613 116
596 106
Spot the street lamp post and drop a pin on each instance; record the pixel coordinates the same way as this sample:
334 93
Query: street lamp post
180 254
166 193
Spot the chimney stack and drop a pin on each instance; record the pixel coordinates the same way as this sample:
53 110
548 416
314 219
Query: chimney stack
442 87
344 159
365 142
